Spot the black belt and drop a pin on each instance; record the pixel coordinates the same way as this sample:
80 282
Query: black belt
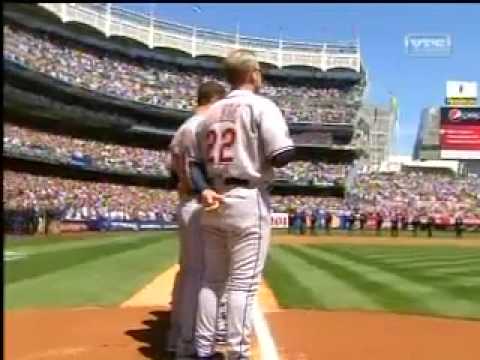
233 182
236 182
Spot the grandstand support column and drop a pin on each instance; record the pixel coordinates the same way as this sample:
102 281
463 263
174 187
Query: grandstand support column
108 19
323 61
280 53
64 12
194 42
150 33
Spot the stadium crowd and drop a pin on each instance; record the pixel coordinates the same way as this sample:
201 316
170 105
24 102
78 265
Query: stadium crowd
396 196
110 157
417 193
312 173
85 200
160 84
126 159
393 196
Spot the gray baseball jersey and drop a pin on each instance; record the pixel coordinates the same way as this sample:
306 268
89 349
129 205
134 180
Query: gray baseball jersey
240 134
238 137
188 280
182 148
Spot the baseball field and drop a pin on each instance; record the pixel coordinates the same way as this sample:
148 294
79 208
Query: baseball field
343 296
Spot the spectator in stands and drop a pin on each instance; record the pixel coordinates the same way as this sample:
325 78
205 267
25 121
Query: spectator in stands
303 222
415 224
379 223
313 223
458 226
363 220
430 225
350 220
394 221
328 222
291 219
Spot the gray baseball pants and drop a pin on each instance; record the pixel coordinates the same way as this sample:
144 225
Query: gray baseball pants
236 237
188 280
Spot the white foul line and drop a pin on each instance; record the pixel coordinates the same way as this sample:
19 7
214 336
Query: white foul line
268 350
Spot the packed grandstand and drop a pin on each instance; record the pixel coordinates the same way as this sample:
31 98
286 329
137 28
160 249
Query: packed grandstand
413 194
127 159
173 86
165 85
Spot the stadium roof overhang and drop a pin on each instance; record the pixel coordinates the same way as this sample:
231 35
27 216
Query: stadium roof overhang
37 166
329 154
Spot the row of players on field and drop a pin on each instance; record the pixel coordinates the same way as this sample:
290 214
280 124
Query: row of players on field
302 222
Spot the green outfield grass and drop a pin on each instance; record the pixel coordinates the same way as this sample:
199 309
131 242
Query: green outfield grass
105 269
91 270
435 280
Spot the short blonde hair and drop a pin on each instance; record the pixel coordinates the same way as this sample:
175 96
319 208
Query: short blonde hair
237 65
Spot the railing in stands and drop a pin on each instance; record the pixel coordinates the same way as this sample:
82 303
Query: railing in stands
116 21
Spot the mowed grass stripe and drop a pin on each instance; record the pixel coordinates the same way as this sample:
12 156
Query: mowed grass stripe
94 240
469 271
37 241
279 278
441 255
106 281
422 259
307 286
381 288
429 265
396 255
43 263
442 298
440 281
404 250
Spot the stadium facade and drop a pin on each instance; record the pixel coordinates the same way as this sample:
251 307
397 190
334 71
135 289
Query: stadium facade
452 131
376 125
427 143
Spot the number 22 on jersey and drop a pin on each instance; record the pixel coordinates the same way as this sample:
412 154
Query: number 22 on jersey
220 142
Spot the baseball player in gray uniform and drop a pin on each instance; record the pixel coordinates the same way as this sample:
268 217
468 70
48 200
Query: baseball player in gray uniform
241 140
188 279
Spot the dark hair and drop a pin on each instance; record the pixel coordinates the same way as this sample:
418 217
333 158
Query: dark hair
209 91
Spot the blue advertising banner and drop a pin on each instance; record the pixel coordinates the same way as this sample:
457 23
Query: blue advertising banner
80 160
135 225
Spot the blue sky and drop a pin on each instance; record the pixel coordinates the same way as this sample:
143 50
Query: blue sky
417 82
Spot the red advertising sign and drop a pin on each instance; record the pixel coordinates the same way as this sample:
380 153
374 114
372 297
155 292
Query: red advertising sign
73 226
460 132
279 220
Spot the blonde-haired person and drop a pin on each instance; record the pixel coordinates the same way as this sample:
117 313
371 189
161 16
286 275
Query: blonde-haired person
242 139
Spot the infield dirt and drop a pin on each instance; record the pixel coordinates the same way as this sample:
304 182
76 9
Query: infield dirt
138 333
